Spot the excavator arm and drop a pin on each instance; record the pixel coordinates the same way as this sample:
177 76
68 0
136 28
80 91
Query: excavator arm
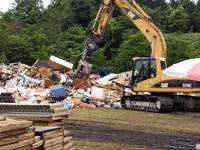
141 20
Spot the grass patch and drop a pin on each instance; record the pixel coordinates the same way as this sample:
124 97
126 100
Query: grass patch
114 129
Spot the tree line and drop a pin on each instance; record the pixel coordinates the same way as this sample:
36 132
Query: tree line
29 31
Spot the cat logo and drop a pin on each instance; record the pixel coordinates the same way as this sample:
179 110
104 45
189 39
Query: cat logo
131 14
164 85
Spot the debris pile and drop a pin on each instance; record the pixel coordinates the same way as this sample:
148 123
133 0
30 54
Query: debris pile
54 81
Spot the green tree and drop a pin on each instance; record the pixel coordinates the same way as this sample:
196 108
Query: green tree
193 14
153 3
17 49
178 20
28 10
4 59
136 46
179 49
174 3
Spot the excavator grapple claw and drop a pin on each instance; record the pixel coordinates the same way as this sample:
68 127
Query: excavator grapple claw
83 70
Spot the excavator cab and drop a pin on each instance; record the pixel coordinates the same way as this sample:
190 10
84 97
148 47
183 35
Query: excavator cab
143 68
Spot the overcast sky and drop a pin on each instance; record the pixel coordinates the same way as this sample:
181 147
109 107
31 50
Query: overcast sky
6 4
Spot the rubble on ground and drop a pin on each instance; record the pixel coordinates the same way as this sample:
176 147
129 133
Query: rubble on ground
54 81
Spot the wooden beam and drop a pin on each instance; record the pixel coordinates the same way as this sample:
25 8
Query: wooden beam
53 136
67 139
18 144
13 132
37 144
16 138
13 125
53 143
67 146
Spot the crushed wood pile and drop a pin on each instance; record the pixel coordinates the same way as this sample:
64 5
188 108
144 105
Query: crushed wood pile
54 81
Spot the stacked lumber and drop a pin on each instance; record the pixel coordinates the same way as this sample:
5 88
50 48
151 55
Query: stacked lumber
67 142
18 135
41 114
54 138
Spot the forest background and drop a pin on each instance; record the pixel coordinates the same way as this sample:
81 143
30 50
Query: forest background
29 31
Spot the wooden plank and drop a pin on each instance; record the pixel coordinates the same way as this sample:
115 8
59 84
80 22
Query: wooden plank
52 132
67 132
37 144
13 125
72 148
54 139
56 124
16 138
37 138
32 118
27 147
61 113
61 109
67 146
44 71
53 143
53 136
67 139
57 146
17 145
59 117
13 132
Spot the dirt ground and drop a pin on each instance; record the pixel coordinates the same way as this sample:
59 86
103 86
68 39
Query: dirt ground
122 129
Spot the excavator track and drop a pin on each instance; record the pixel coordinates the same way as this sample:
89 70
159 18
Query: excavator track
147 103
186 103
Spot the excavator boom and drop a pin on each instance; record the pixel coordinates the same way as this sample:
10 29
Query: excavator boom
141 20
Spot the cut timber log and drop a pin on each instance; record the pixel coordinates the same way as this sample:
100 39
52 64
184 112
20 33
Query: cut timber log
16 138
13 125
17 144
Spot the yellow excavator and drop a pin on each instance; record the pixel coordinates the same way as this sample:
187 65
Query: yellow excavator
147 73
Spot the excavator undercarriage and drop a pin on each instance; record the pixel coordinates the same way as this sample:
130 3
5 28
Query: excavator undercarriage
161 103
